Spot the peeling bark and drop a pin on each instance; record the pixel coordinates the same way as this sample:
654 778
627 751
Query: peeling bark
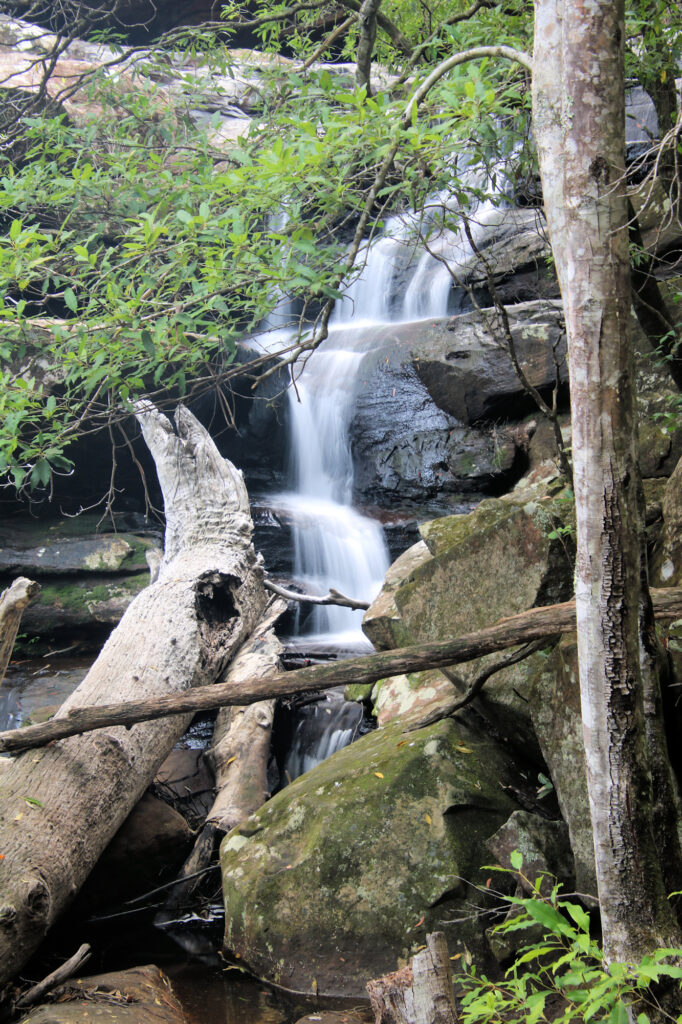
419 993
60 807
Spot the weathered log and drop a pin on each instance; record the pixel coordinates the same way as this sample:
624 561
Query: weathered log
528 626
239 758
60 808
419 994
12 604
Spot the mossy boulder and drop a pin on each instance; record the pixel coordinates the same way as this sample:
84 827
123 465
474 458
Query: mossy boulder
68 603
339 877
506 556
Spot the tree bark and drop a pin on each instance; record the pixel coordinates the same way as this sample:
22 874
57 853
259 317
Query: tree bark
419 994
518 629
578 124
60 808
12 604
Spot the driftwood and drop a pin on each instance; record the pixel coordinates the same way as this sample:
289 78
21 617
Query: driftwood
12 604
61 974
419 994
59 808
239 758
535 624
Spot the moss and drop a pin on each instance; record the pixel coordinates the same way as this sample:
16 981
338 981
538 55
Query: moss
360 692
348 859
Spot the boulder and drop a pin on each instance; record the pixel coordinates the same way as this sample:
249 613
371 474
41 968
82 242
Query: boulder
342 874
88 578
147 850
439 589
465 365
554 695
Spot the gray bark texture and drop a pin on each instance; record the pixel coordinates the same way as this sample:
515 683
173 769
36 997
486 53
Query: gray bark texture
60 807
579 124
419 994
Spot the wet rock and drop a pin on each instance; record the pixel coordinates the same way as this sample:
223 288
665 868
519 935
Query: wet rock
346 870
67 603
465 365
554 695
147 850
544 846
122 997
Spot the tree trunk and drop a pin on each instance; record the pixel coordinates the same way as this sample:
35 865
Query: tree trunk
59 808
578 123
419 994
12 604
534 624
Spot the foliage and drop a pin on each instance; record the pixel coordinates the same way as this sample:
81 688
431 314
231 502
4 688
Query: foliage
562 977
139 246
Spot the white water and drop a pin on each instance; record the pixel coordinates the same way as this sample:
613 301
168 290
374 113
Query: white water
335 545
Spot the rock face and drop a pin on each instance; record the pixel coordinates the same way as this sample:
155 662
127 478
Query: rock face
555 709
87 578
438 589
433 398
346 869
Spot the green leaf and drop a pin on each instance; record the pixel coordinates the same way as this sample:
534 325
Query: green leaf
516 859
148 344
40 474
619 1014
71 300
15 230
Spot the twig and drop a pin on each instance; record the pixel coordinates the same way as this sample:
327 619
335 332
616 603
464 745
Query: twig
67 969
333 597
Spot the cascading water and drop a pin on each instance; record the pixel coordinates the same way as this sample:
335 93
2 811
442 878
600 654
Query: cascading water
335 545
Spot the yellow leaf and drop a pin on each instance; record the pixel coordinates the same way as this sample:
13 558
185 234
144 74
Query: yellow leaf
231 759
464 750
427 819
456 956
379 775
19 816
664 75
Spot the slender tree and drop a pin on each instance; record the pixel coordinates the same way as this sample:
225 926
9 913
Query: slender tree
579 123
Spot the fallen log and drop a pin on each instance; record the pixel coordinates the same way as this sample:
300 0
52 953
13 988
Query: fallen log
239 758
12 604
535 624
59 808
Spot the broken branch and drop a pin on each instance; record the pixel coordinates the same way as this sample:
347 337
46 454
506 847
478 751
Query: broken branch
529 626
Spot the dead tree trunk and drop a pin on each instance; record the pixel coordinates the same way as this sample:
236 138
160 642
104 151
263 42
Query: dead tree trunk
12 604
61 806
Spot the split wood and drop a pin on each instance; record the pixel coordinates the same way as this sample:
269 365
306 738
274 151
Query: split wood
535 624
